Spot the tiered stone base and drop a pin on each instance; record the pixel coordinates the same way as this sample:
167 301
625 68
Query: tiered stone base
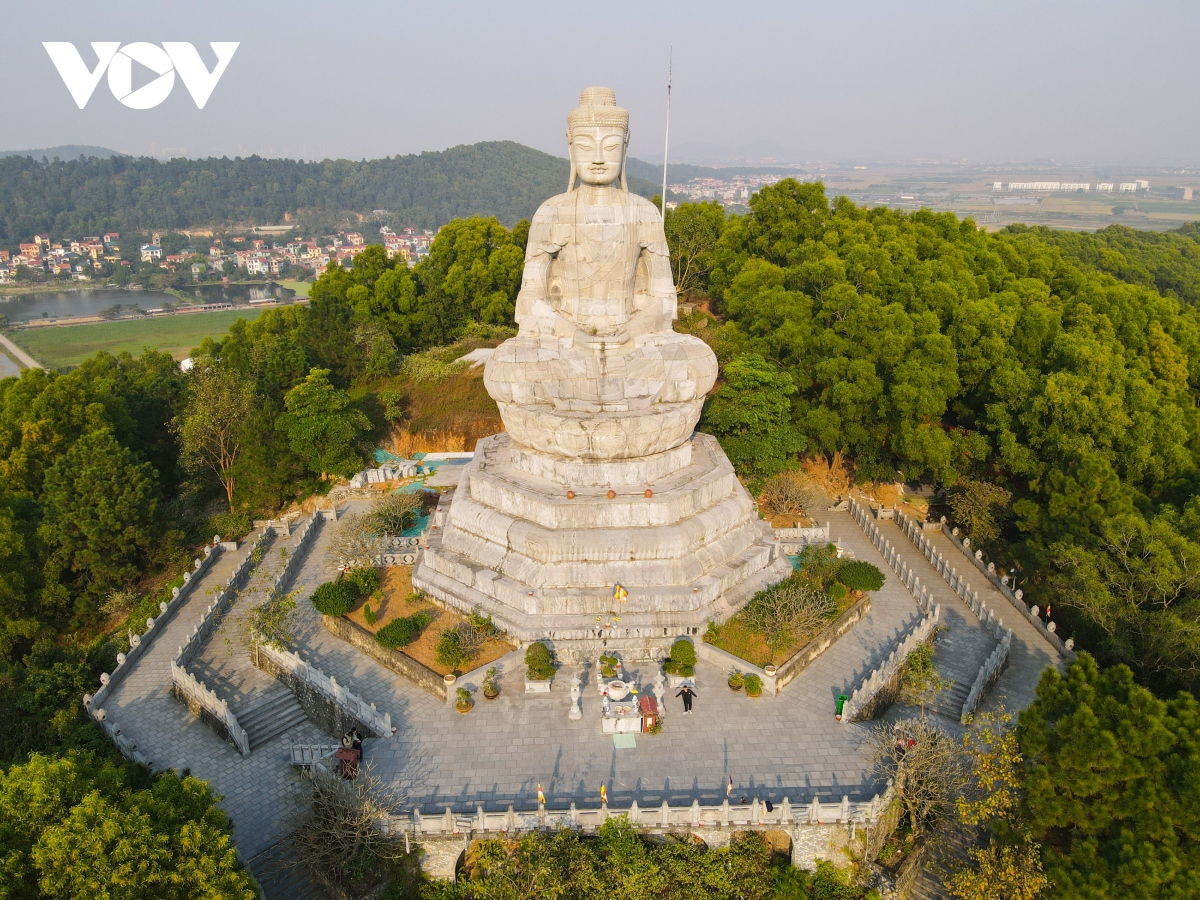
512 544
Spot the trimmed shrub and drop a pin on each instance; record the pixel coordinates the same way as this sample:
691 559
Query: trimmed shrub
334 598
859 575
369 614
837 591
365 580
403 631
537 662
753 685
683 653
230 526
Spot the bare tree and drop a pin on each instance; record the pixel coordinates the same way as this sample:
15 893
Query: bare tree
926 766
339 835
212 426
394 512
790 493
787 611
355 543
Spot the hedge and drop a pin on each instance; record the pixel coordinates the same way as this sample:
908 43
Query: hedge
859 575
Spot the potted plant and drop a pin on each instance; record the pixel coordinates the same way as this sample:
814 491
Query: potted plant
609 665
464 702
539 668
753 686
736 681
490 690
680 666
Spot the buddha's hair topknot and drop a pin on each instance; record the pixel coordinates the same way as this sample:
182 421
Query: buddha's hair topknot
597 106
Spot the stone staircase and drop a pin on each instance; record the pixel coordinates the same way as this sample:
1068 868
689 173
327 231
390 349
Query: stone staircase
958 654
274 712
950 852
280 879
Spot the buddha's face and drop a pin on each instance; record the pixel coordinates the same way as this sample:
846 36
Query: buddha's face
598 153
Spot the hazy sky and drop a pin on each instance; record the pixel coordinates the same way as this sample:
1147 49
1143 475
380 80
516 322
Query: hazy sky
835 81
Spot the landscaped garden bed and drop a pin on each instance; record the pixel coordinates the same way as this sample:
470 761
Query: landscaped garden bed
408 633
791 623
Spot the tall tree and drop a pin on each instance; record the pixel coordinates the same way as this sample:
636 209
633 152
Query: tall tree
99 515
212 428
323 425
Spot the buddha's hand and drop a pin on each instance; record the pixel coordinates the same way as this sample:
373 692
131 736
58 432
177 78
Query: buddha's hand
585 340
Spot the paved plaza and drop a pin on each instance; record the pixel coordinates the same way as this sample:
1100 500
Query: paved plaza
773 747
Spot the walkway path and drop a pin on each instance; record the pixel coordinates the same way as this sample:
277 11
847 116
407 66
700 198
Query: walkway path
789 745
22 357
256 789
1030 653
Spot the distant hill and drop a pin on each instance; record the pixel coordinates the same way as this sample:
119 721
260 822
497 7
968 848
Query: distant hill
500 178
678 172
66 151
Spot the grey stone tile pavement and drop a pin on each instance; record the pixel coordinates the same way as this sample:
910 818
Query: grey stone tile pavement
257 790
789 745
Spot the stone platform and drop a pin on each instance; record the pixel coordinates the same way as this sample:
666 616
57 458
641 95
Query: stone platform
537 542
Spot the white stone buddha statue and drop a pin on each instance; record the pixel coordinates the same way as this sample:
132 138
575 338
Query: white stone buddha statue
596 371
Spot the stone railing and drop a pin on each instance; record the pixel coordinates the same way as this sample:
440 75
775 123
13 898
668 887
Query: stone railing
1000 583
907 577
308 534
203 703
987 617
211 619
988 673
399 551
140 643
201 700
815 534
666 817
291 667
881 677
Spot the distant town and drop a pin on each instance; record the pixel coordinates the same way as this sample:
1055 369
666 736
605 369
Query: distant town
173 259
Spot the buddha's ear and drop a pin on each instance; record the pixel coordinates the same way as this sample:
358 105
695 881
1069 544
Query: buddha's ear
624 157
571 156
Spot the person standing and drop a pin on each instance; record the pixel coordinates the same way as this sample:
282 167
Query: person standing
687 694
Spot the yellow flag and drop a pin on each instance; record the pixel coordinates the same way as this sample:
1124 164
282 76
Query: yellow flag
541 796
619 593
603 794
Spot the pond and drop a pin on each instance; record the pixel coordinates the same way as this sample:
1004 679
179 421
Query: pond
93 301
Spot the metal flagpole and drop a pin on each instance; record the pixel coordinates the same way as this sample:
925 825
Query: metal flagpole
667 138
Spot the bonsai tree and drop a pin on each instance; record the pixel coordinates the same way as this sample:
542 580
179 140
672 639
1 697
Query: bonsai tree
334 598
753 686
736 681
682 661
490 690
608 666
463 703
538 664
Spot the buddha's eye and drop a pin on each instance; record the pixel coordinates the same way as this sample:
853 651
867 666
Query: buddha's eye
612 144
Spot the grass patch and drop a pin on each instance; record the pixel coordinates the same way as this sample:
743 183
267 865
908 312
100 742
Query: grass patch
70 345
300 287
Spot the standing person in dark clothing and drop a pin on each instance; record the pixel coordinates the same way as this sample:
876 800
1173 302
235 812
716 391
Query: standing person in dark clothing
687 694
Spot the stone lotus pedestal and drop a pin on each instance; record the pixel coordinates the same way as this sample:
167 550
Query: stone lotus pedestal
513 545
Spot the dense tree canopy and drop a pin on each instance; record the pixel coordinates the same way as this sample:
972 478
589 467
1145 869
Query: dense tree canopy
921 344
91 196
74 827
1112 786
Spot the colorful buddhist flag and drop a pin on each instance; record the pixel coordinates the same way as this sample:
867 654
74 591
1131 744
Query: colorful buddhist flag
729 787
603 793
619 593
541 796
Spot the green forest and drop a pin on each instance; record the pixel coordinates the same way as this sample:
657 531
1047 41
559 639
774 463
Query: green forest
1043 383
94 195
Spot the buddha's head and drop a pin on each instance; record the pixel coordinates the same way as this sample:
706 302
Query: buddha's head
597 134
